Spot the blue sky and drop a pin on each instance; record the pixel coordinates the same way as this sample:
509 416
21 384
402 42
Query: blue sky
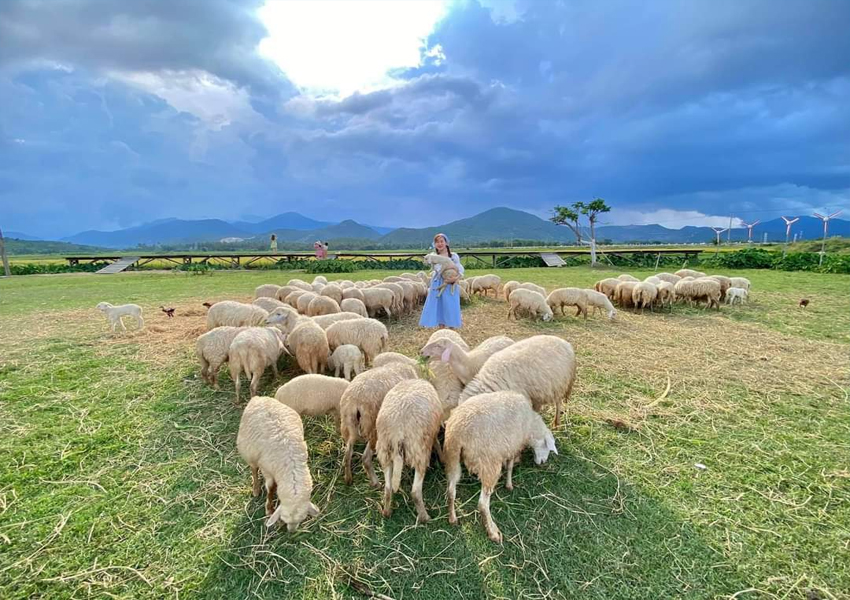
113 113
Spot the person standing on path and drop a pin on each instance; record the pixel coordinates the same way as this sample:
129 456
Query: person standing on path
442 310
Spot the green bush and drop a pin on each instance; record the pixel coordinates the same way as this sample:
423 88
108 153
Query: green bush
392 265
750 258
52 268
331 266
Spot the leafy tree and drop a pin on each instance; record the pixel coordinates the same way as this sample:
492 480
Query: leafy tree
592 211
566 215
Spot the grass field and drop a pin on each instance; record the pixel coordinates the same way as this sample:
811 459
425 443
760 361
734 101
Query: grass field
120 476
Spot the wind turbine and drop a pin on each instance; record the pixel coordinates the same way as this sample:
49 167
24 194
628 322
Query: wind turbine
717 232
788 222
825 228
749 227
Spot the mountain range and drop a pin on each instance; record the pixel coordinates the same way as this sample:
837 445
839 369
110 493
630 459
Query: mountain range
495 224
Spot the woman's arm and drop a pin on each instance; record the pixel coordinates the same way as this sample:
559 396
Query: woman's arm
456 261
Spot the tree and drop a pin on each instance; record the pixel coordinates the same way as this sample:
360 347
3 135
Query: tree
565 215
592 211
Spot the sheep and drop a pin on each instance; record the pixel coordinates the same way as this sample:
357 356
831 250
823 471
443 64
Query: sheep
608 287
378 299
317 287
533 287
212 349
440 374
358 410
695 290
643 295
627 277
268 290
386 358
689 273
569 296
304 301
285 290
352 293
312 395
465 364
393 279
599 302
369 335
488 431
300 284
543 367
735 293
309 343
235 314
410 295
252 351
114 314
725 284
508 288
322 305
332 291
653 280
666 294
623 293
487 282
347 358
529 301
345 284
271 440
668 277
353 305
407 426
292 298
320 279
740 282
268 304
398 295
325 321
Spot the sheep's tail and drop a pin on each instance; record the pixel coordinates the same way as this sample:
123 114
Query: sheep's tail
398 466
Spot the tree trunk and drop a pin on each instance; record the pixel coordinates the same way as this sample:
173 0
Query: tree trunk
3 256
592 242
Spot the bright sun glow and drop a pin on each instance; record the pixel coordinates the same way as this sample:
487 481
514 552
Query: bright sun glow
343 46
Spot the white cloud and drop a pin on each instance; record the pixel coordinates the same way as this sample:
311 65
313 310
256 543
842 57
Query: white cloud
673 219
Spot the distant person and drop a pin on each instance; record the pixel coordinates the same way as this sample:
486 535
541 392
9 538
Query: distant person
324 249
317 246
273 244
444 310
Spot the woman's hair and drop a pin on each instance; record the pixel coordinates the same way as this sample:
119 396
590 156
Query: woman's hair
274 237
448 248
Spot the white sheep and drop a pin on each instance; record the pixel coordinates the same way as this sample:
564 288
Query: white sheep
627 277
386 358
370 335
235 314
304 301
313 395
529 301
352 292
483 283
533 287
543 367
398 295
268 290
569 296
358 411
320 279
735 293
212 349
300 284
322 305
347 358
487 431
353 305
407 426
332 290
251 352
740 282
378 299
689 273
599 302
285 290
653 279
271 440
268 304
725 284
441 375
668 277
666 294
623 293
292 297
695 290
607 286
465 364
114 314
643 295
309 344
508 288
325 321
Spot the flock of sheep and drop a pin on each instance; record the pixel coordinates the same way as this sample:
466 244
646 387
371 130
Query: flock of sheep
486 399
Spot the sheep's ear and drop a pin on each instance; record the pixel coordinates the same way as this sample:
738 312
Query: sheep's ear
447 353
274 518
313 510
550 442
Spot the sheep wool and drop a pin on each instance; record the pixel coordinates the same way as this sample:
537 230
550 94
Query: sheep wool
569 296
268 290
312 395
369 335
465 364
212 349
309 343
529 301
114 314
322 305
235 314
354 305
347 358
599 302
251 352
643 295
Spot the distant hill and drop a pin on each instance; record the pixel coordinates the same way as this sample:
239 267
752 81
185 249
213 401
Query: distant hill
18 235
16 246
287 220
168 231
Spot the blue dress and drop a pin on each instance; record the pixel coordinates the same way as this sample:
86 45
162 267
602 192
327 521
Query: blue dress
445 308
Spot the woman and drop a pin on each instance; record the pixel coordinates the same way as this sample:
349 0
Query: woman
273 245
444 310
317 246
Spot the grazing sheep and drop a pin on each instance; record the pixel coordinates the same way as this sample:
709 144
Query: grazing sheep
322 305
252 351
599 302
292 298
543 367
531 302
488 431
533 287
689 273
411 295
608 287
235 314
358 411
317 287
326 321
408 423
666 294
353 305
440 374
740 282
114 314
370 335
627 277
696 290
268 304
332 291
212 349
465 364
623 293
508 288
734 293
320 279
725 284
668 277
378 299
386 358
570 296
352 292
300 284
304 301
285 290
643 295
268 290
312 395
347 358
398 295
393 279
271 440
653 280
309 344
484 283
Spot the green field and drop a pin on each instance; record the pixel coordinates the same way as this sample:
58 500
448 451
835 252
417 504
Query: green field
120 476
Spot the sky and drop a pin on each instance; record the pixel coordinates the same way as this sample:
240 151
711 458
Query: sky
115 113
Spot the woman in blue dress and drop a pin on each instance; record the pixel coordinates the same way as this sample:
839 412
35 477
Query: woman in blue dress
444 310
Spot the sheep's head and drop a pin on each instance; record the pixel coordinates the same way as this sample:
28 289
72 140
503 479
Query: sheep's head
543 446
441 349
612 314
293 515
548 315
103 306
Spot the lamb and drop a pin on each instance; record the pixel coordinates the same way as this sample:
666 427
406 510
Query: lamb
725 284
332 291
268 290
347 358
666 294
543 367
735 293
309 344
569 296
386 358
488 431
689 273
235 314
643 295
378 299
212 349
353 305
487 282
448 271
322 305
599 301
304 301
114 314
251 351
740 282
533 287
508 288
530 301
668 277
608 287
627 277
358 411
623 293
407 425
268 304
369 335
271 440
699 289
352 293
312 395
465 364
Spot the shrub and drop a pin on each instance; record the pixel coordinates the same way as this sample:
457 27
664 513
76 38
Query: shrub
331 266
52 268
750 258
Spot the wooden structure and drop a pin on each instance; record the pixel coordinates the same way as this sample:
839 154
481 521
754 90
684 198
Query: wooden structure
552 260
119 265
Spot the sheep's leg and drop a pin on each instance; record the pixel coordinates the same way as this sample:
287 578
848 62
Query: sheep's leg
453 473
509 484
255 481
439 450
557 413
367 464
387 510
347 372
255 382
238 385
416 492
484 507
140 322
349 450
271 491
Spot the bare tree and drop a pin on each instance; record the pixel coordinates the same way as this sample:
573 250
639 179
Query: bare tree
3 256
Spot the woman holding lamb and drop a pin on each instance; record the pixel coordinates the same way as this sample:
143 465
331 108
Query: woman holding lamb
442 306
